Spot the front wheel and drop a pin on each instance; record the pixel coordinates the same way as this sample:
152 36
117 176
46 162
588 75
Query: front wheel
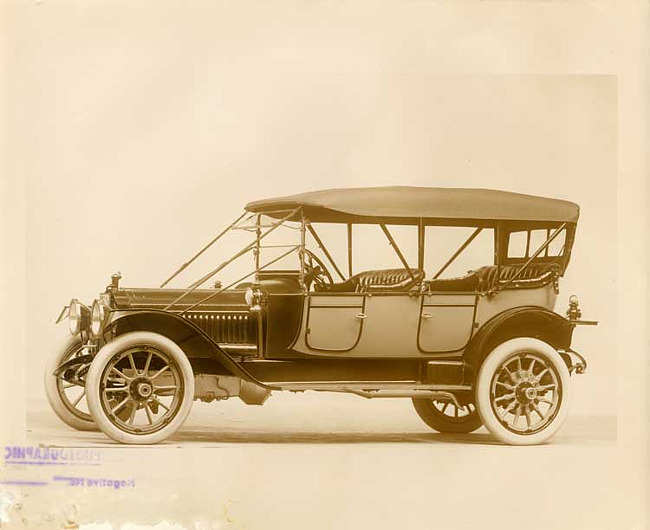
523 391
140 388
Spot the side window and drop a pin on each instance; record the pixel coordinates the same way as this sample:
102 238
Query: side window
524 244
441 242
518 245
370 247
556 248
372 250
335 238
537 239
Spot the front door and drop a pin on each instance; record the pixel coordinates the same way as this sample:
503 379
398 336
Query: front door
334 321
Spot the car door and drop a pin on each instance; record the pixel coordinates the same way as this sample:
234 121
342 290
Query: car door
390 326
370 325
334 322
446 321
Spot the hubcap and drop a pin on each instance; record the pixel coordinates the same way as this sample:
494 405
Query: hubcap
526 393
141 389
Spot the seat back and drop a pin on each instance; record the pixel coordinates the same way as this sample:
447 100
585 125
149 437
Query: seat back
384 280
485 279
392 280
535 275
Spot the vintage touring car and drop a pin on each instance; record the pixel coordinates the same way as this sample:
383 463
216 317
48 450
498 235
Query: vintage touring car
481 348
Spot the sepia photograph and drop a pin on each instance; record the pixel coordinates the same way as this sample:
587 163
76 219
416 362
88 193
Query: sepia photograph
324 265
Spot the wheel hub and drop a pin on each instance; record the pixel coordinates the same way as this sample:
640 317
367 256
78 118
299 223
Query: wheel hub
525 393
141 389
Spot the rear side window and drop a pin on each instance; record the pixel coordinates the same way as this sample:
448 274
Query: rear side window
443 241
518 246
524 244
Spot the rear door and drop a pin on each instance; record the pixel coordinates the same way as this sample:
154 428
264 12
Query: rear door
446 321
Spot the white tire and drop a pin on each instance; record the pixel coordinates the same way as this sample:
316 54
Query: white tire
125 379
67 402
523 391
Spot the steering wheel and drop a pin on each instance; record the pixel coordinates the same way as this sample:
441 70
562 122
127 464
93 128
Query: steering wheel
316 271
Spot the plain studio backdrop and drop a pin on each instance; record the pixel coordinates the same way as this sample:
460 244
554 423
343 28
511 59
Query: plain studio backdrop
139 130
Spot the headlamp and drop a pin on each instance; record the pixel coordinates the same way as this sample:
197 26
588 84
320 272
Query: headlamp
78 316
97 318
74 317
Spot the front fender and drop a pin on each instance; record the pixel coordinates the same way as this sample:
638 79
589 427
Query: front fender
189 337
82 359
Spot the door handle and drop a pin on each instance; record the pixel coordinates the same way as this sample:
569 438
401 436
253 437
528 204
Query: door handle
361 316
426 315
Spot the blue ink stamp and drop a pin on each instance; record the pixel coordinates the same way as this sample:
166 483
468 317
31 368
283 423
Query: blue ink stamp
51 456
90 482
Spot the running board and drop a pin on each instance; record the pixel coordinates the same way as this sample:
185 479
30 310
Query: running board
381 390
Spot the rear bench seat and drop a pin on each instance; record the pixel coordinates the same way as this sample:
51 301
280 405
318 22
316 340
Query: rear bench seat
484 279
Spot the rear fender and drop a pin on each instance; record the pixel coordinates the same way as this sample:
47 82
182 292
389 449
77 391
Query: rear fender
190 338
529 321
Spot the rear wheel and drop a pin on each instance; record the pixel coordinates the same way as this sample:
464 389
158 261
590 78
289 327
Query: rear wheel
523 391
446 417
140 388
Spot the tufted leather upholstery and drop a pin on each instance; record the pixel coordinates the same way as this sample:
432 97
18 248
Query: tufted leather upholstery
535 275
484 279
385 280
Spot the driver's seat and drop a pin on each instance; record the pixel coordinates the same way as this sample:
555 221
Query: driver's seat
385 280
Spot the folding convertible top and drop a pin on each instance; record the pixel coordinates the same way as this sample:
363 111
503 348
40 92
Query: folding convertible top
412 205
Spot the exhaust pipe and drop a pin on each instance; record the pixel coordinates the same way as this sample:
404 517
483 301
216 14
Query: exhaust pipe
438 395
